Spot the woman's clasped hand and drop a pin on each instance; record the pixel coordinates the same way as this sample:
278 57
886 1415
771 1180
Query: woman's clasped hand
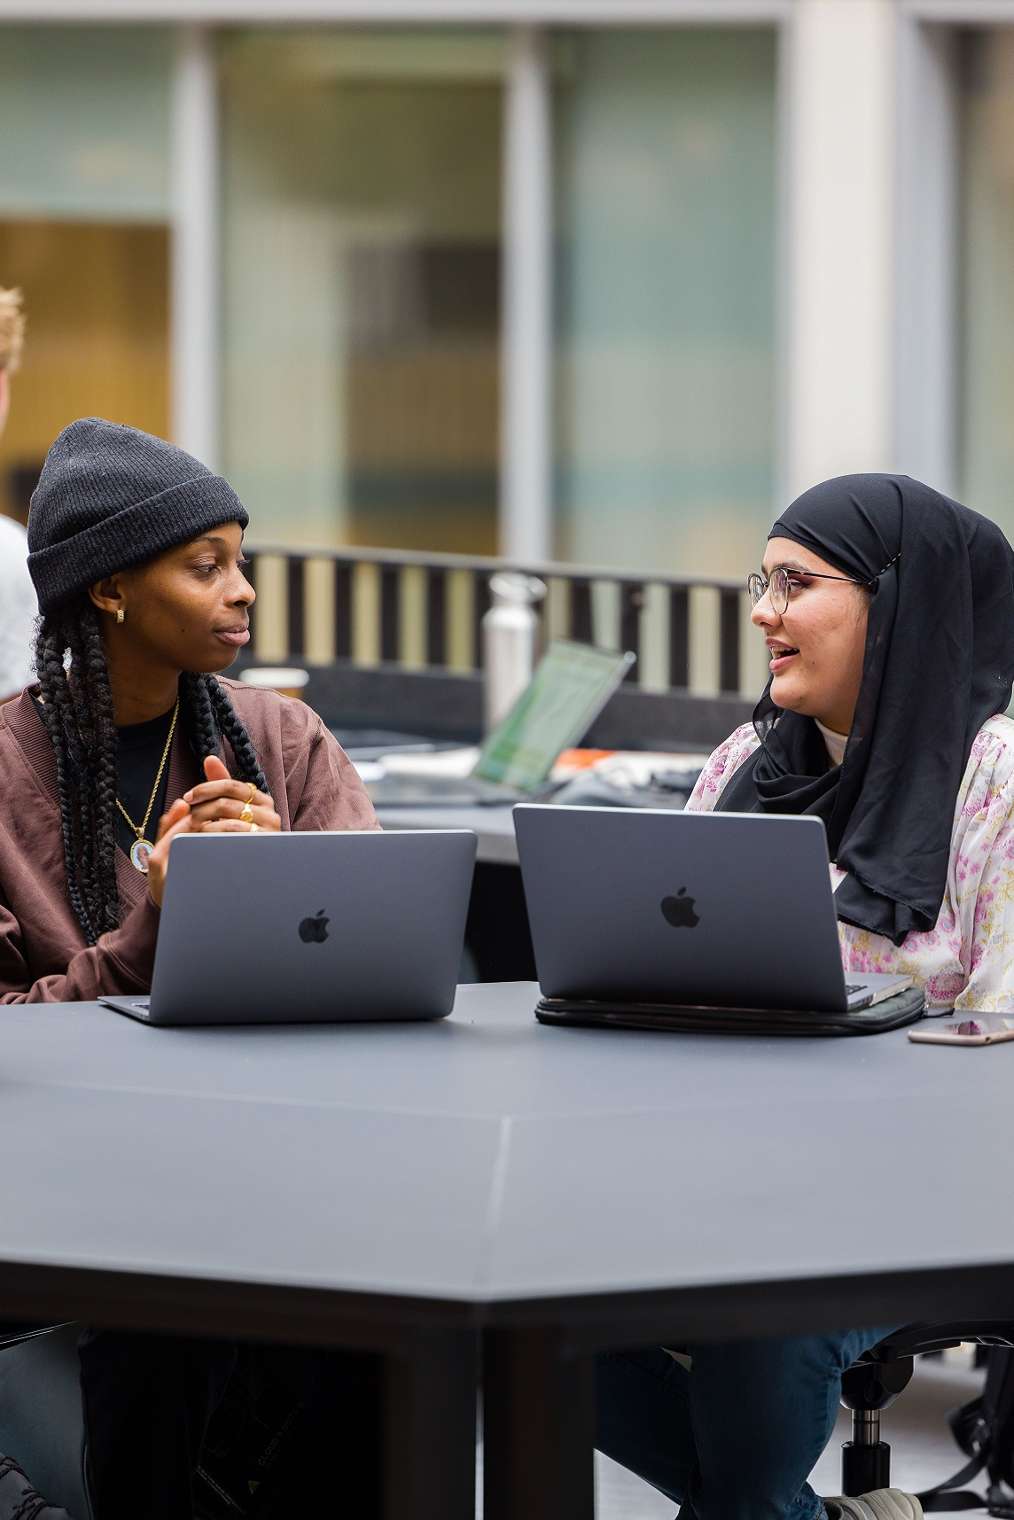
217 805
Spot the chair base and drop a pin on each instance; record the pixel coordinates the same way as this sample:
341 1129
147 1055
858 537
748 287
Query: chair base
864 1467
874 1382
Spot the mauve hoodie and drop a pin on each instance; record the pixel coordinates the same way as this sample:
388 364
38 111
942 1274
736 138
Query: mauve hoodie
43 955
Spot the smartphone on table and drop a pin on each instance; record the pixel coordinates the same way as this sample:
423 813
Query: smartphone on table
976 1029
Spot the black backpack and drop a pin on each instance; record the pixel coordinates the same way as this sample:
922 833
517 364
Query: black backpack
984 1429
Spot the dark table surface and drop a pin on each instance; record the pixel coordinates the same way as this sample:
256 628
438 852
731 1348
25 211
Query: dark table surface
557 1162
410 1189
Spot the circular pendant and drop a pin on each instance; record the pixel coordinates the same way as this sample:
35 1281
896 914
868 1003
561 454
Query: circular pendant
140 852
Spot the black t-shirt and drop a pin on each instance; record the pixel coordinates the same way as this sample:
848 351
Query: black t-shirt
139 756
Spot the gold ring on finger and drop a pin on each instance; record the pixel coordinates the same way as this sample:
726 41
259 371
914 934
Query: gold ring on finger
246 816
255 828
252 795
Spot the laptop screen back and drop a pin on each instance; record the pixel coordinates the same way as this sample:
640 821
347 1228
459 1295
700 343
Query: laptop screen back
725 909
309 927
571 685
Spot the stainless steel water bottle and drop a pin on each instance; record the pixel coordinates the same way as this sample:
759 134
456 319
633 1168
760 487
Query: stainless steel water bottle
510 633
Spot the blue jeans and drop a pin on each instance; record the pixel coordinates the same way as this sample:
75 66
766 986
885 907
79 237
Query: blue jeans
736 1437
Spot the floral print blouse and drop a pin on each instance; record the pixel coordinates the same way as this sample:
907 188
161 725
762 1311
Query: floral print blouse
967 959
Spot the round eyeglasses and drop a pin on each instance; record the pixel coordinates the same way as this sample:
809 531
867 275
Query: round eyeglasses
783 581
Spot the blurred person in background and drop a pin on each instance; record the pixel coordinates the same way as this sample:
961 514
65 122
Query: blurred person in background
17 597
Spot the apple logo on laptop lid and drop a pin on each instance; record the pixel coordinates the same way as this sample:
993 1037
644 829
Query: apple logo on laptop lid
679 911
313 931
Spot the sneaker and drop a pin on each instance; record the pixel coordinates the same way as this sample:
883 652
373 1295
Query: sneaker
18 1497
882 1504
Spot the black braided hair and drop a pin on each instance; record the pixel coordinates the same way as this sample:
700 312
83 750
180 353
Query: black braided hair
51 642
210 716
239 741
78 712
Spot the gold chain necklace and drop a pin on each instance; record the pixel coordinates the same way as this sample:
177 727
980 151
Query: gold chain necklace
141 849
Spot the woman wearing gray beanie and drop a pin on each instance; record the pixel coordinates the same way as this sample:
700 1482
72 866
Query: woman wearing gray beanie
136 555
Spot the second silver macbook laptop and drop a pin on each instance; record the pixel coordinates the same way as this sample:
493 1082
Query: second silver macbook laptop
309 928
728 910
570 687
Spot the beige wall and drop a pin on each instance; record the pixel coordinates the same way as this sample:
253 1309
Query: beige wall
97 302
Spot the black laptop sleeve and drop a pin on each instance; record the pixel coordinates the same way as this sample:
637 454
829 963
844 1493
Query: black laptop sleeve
904 1008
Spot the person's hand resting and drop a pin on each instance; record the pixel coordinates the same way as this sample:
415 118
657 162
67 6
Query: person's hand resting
217 803
212 807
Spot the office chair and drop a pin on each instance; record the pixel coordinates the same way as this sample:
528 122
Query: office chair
873 1383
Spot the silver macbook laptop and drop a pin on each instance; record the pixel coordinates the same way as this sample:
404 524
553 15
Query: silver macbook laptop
309 928
570 687
728 910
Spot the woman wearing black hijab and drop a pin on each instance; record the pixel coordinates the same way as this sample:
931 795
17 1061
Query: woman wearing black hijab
888 612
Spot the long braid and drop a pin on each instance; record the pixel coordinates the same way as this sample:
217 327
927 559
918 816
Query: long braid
198 716
211 713
56 711
81 735
234 730
96 696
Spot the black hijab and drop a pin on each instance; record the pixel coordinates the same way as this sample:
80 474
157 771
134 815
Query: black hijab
939 661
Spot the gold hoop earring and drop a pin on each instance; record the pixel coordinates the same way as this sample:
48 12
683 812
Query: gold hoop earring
120 615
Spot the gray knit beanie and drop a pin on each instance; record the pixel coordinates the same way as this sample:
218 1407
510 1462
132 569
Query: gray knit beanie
110 497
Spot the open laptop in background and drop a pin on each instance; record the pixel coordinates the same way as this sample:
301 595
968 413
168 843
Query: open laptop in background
309 928
571 685
691 911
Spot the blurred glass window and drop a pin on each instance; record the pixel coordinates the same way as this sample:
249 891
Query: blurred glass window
84 122
361 206
664 299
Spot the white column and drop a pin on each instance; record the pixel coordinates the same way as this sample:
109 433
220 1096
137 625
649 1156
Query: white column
926 405
840 145
194 299
527 340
